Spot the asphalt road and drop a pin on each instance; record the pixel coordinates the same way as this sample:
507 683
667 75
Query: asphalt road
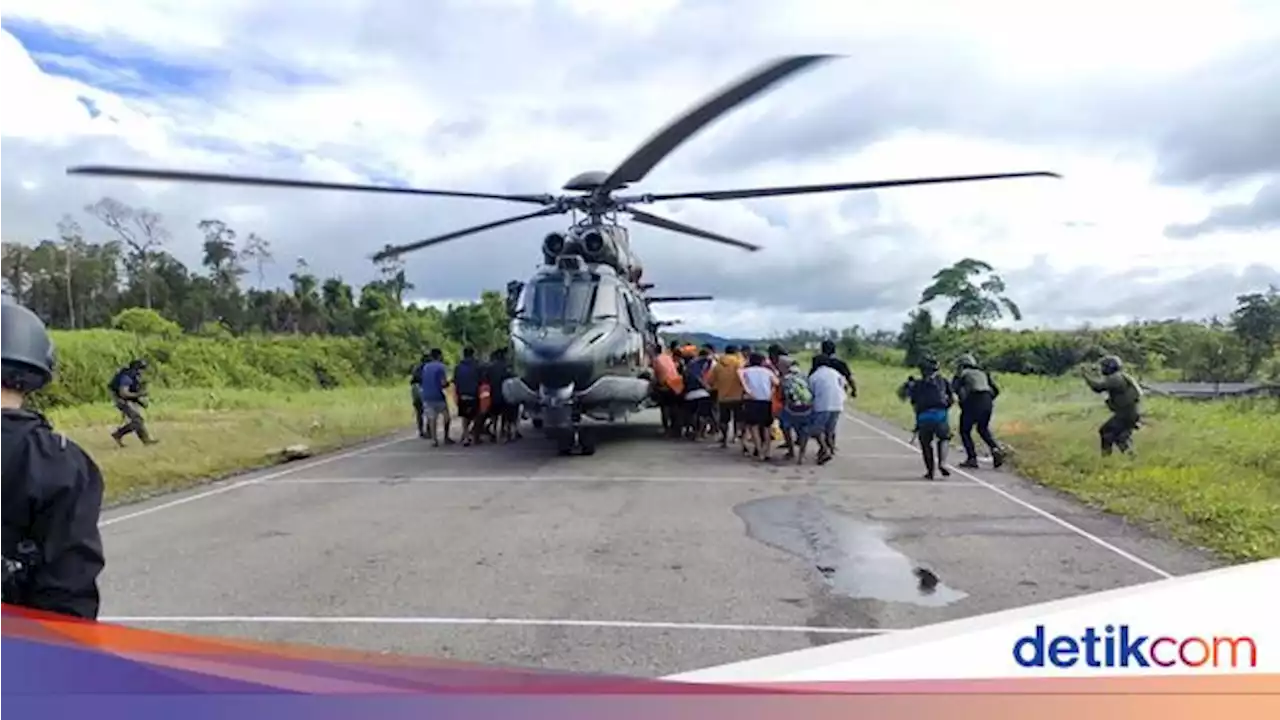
653 557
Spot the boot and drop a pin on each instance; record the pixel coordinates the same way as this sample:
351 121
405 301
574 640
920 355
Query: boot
927 451
970 462
997 456
942 458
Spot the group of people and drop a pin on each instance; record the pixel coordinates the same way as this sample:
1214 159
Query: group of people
932 396
756 398
477 389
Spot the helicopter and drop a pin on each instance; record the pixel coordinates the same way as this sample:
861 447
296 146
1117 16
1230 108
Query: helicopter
583 333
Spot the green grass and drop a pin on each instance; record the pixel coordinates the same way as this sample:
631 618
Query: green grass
205 434
1204 472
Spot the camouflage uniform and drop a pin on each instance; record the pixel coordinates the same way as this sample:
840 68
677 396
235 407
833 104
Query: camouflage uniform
1124 397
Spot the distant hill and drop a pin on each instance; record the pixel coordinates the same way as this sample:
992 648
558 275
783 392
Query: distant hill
701 338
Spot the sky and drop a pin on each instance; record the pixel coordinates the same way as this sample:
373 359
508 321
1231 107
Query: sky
1163 120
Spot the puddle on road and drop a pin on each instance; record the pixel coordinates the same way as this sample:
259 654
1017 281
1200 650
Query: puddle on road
852 555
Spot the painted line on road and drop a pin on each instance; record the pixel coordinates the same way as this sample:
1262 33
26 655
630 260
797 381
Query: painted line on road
430 479
1029 506
516 622
251 481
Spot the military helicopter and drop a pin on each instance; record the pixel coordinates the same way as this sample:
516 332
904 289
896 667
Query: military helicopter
582 329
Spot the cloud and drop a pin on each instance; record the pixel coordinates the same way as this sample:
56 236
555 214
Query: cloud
1163 135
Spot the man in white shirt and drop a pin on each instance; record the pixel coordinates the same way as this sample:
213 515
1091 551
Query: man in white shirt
829 388
757 410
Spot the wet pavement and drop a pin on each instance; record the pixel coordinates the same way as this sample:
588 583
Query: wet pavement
652 557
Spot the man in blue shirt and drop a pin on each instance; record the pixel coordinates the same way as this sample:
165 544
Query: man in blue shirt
435 379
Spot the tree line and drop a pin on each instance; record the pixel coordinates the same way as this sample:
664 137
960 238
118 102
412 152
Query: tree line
1240 347
76 283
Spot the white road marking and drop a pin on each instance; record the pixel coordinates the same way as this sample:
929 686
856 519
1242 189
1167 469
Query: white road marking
762 480
518 622
251 481
1029 506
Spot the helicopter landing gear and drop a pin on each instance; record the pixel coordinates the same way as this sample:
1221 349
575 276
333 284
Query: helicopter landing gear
578 439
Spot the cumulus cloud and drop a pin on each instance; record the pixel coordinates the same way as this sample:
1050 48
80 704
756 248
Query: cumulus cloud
1164 134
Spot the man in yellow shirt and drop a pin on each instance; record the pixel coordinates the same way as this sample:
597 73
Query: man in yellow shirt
726 383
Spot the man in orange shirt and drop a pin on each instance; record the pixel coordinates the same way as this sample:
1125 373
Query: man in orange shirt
668 387
726 383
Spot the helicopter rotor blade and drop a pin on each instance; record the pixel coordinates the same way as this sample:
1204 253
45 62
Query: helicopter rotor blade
396 250
224 179
661 222
657 147
839 187
677 298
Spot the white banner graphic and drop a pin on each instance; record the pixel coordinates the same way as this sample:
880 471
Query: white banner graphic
1221 621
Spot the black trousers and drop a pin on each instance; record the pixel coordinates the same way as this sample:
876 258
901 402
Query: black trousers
975 413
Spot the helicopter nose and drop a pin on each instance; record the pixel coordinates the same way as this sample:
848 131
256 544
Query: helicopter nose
554 367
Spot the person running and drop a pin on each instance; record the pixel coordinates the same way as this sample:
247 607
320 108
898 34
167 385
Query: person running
977 392
931 399
829 389
726 384
759 383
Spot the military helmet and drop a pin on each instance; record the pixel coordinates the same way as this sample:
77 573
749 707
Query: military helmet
28 350
1110 364
967 360
928 364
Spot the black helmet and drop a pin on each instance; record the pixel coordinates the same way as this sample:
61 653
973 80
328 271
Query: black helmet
28 350
928 364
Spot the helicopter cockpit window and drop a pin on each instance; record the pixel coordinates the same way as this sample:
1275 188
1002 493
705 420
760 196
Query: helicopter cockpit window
554 302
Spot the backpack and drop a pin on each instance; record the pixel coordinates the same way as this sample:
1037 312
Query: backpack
931 393
796 393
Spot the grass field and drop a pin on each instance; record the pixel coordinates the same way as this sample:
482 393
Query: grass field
211 433
1205 472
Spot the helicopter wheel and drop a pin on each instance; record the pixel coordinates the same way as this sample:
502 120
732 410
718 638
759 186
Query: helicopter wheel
586 442
566 442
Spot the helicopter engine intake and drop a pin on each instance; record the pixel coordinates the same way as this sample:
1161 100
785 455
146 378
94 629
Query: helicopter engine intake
552 246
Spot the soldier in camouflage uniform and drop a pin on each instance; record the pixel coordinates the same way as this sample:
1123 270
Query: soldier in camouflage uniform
977 392
1124 398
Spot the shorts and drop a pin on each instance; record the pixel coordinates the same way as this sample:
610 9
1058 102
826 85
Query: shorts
757 413
435 408
700 407
824 422
730 410
468 407
929 430
799 422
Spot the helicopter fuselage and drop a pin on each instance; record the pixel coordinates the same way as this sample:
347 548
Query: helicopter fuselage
581 336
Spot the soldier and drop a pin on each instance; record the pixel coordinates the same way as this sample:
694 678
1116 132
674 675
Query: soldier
1124 398
127 390
52 489
931 399
977 392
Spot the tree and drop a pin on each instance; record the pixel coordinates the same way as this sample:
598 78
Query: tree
258 249
1256 321
973 305
917 336
71 234
141 229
